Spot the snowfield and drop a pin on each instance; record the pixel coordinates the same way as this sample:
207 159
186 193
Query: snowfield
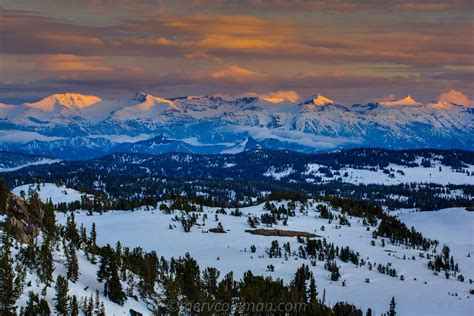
439 174
85 287
35 163
453 226
46 191
155 230
278 175
152 229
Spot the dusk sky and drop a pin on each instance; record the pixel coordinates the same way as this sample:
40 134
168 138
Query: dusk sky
349 51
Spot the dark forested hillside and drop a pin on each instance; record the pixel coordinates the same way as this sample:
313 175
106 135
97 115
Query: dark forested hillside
234 179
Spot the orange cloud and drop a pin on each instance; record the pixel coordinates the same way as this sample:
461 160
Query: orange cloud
197 55
71 63
422 6
277 96
235 73
456 97
73 39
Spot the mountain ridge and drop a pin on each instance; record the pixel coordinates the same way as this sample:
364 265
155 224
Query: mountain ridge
318 124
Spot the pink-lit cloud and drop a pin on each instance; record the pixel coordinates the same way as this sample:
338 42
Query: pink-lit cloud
456 97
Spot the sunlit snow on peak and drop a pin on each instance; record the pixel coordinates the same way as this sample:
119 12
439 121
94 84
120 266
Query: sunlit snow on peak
408 100
67 100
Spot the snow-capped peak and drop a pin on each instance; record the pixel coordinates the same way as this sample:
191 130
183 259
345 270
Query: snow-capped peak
148 101
140 96
277 100
408 100
67 100
320 100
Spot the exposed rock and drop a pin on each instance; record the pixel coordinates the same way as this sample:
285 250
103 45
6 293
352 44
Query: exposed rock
24 219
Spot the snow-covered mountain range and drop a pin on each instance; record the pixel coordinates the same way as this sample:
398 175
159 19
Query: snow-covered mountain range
72 125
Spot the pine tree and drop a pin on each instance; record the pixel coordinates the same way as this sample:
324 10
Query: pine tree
72 263
148 274
298 284
102 309
46 266
49 219
90 307
313 294
32 304
210 276
62 298
29 255
44 307
392 312
93 243
108 273
97 300
36 306
71 230
74 306
4 192
11 281
115 292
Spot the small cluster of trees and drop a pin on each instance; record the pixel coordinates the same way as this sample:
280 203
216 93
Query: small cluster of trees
445 262
398 232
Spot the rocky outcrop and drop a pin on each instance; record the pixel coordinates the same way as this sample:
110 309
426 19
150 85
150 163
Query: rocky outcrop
24 219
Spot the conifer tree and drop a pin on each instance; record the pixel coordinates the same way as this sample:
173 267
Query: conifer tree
102 309
392 311
226 288
115 292
44 307
298 284
313 294
34 202
72 263
46 266
210 276
3 196
148 274
71 230
93 243
90 306
83 235
74 306
108 273
49 219
62 299
32 304
36 306
97 301
11 281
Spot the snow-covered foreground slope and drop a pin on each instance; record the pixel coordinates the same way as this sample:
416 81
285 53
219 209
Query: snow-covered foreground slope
420 293
454 226
84 288
46 191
